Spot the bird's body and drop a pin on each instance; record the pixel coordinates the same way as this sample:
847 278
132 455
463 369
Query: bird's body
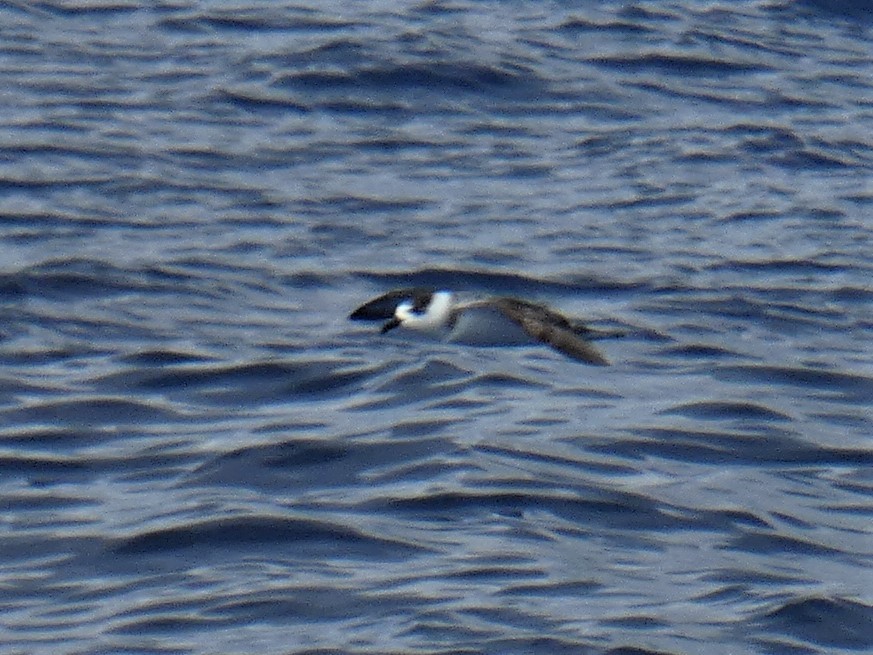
494 321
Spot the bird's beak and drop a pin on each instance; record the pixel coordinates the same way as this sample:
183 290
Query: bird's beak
390 325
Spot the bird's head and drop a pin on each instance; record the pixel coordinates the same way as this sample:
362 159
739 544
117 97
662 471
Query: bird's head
423 312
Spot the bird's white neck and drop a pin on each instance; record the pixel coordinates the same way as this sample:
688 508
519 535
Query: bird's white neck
436 317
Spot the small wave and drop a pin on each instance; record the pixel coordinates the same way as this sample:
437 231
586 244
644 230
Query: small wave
56 439
699 350
583 26
677 64
553 588
309 463
724 410
790 150
634 650
791 266
732 448
614 509
260 100
68 279
93 411
164 625
42 467
244 384
83 278
252 531
365 205
492 281
433 380
433 78
849 387
850 10
160 357
830 622
249 21
310 602
760 543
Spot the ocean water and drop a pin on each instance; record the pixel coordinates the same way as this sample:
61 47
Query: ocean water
199 453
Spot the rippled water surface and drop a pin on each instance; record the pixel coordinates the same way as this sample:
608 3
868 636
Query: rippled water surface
199 453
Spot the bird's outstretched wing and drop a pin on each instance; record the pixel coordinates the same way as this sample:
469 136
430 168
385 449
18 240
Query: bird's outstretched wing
382 308
550 328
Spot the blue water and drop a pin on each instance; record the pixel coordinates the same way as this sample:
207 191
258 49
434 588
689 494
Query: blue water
199 453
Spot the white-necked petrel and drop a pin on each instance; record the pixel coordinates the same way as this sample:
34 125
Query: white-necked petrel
493 321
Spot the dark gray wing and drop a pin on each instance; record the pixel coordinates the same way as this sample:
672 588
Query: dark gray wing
552 329
382 308
594 334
